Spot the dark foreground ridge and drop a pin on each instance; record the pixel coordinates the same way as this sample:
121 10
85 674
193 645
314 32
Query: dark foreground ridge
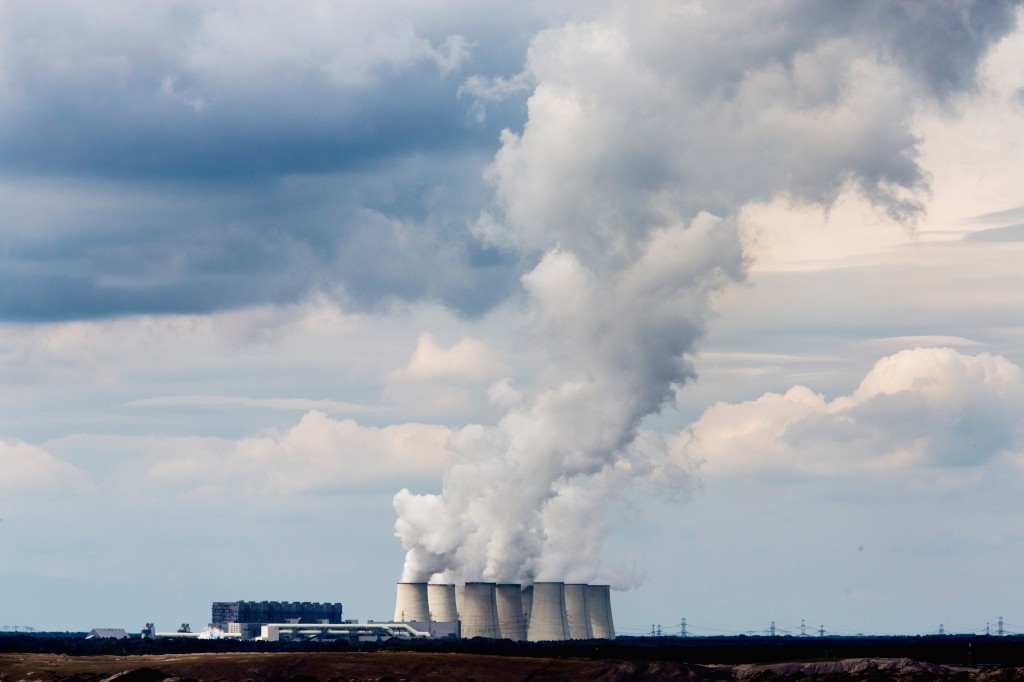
395 666
951 650
757 659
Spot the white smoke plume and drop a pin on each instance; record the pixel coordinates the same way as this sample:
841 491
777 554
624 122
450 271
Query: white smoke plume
210 632
649 128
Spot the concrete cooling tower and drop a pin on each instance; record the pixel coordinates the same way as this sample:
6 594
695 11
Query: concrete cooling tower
547 615
511 621
478 611
577 611
601 624
441 601
411 602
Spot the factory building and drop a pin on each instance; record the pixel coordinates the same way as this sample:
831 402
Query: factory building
352 631
247 617
544 611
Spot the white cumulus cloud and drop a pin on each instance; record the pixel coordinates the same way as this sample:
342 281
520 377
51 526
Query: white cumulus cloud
28 472
925 407
317 454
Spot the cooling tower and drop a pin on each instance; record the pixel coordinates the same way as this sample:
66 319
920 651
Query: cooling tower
511 621
601 612
528 604
441 600
479 611
547 614
577 611
411 602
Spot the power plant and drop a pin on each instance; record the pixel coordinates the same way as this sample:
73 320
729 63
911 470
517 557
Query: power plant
544 611
541 612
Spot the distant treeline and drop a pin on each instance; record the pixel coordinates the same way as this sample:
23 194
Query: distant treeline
948 649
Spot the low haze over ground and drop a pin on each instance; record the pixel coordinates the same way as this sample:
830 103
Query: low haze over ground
720 303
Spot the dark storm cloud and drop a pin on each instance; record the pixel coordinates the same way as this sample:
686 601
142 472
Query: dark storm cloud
942 41
210 89
186 157
286 128
195 248
195 156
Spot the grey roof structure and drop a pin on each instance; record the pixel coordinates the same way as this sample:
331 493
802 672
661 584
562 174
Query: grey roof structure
107 633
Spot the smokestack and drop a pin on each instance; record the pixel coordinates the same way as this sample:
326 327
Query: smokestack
601 612
441 600
411 602
547 615
511 622
479 611
577 611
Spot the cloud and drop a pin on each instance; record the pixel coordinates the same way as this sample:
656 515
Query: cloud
28 472
288 404
189 158
1010 233
193 89
319 454
926 407
469 360
79 250
675 111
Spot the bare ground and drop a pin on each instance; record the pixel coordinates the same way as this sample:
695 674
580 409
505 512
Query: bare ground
402 666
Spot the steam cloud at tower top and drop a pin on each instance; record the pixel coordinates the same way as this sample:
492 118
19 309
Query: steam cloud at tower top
626 183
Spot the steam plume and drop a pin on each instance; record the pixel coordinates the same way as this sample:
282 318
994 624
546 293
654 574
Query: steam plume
648 131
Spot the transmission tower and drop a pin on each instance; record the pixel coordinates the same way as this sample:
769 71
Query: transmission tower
803 628
1000 626
682 628
772 629
942 630
821 631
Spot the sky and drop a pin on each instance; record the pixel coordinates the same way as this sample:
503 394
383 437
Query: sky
717 302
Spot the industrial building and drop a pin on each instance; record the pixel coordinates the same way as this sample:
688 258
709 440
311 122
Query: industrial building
353 631
261 612
544 611
276 621
245 618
